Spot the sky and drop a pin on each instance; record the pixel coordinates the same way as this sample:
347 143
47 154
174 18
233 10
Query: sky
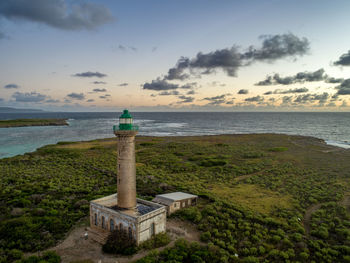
157 55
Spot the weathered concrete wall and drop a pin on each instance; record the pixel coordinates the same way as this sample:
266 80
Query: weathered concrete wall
151 225
119 219
126 178
141 225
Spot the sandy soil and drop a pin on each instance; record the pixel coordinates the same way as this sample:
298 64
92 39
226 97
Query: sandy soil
77 247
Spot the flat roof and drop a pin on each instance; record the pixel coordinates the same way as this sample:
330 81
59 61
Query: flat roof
143 207
177 196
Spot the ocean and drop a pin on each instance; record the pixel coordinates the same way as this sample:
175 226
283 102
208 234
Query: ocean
333 127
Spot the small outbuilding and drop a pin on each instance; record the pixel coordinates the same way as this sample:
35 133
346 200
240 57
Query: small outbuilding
175 201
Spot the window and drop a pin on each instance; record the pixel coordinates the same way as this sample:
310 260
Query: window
152 229
183 204
175 205
120 226
189 201
103 222
130 232
111 224
95 219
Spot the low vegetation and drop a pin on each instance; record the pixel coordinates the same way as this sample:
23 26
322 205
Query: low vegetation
254 192
32 122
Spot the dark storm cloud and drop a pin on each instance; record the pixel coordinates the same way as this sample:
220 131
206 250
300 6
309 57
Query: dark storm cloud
309 98
123 84
300 77
168 93
289 91
99 82
57 13
344 60
243 91
28 97
90 74
76 96
185 99
1 99
11 86
90 100
255 99
344 88
161 84
99 90
278 46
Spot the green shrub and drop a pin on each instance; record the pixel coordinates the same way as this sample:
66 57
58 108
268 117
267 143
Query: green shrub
159 240
120 242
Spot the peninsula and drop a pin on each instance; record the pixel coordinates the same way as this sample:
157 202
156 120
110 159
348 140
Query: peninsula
32 122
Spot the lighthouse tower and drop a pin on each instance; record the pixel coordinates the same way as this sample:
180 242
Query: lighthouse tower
126 178
140 218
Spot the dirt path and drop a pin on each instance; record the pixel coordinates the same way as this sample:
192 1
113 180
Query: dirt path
307 217
76 247
310 210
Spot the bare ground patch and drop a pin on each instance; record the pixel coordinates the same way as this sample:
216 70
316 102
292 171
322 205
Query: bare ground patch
76 247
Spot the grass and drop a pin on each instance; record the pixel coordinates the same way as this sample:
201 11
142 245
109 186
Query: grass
253 197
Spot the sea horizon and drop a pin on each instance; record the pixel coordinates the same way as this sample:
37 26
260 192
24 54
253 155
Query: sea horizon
332 127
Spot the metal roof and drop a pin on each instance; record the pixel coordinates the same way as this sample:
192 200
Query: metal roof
176 196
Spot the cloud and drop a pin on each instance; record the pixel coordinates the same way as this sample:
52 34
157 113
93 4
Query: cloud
90 74
168 93
90 100
217 100
309 98
125 48
344 88
57 13
334 80
278 46
279 91
99 90
255 99
52 101
229 60
344 60
2 35
300 77
106 96
160 84
76 96
243 91
123 84
11 86
99 82
185 99
191 92
28 97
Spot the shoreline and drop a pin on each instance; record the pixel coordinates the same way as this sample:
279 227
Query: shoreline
319 141
32 123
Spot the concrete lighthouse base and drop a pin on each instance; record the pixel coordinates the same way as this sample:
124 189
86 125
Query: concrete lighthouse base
146 220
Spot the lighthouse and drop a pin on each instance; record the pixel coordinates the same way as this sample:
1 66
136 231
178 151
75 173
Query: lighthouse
140 218
126 175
